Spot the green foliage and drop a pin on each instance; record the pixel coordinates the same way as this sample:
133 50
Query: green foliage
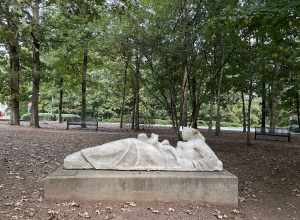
225 47
69 117
42 117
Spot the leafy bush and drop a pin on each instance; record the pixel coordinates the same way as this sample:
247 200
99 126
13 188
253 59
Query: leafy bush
202 123
42 117
231 124
69 117
113 120
162 122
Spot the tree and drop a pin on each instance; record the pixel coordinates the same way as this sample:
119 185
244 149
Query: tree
10 24
35 34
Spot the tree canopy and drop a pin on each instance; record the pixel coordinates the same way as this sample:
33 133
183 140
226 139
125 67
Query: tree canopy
188 62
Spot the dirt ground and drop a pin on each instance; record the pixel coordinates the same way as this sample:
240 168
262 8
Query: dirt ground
268 172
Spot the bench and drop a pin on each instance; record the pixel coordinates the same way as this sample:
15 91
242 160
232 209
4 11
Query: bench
278 132
87 123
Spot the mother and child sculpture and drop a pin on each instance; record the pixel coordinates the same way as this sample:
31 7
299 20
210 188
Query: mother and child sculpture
147 153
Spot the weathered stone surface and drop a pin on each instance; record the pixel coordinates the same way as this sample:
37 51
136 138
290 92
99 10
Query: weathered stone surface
143 153
220 188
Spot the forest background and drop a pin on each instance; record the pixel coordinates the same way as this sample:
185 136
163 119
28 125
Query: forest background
184 62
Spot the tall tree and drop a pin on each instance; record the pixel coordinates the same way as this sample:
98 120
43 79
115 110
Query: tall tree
35 34
10 25
83 86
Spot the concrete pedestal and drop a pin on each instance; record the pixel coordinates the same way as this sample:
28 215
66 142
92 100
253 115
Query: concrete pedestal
219 188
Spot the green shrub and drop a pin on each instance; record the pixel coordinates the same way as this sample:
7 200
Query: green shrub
162 121
202 123
113 120
231 124
69 117
42 117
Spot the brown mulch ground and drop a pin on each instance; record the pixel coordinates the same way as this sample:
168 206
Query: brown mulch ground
268 172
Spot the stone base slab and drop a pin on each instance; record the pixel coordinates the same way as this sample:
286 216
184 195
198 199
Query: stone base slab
219 188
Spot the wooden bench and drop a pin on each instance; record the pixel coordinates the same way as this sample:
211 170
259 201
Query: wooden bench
87 123
278 132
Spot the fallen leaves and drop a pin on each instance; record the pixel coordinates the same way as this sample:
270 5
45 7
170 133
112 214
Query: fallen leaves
84 214
154 211
219 215
53 214
26 157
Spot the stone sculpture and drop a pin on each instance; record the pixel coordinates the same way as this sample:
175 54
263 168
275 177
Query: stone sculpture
143 153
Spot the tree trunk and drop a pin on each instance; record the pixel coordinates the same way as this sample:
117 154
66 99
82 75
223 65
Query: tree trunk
60 105
133 113
195 103
135 124
35 63
249 113
298 109
244 113
219 87
270 110
173 109
124 93
263 106
184 99
83 87
14 77
210 113
174 117
218 103
273 106
137 92
249 120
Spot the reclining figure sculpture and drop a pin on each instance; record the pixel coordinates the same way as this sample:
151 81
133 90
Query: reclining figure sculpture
143 153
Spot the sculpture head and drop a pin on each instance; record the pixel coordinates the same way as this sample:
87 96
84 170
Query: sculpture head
197 153
191 134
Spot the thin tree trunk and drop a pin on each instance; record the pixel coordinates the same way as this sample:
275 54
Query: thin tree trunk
210 113
219 87
173 111
298 109
244 114
36 64
218 103
83 87
174 117
273 108
249 113
195 103
137 92
60 105
133 113
273 103
249 120
184 99
14 76
263 106
124 93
